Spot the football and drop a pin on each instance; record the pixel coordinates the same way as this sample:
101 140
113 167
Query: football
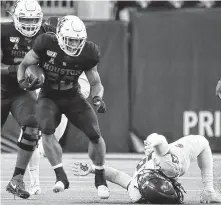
34 71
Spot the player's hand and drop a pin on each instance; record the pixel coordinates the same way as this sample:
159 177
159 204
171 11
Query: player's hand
29 84
218 89
81 169
99 103
147 148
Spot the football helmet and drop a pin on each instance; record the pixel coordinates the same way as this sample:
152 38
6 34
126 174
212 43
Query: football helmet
27 17
156 188
71 34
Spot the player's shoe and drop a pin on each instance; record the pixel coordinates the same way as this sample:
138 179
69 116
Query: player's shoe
60 186
17 187
34 189
101 184
210 197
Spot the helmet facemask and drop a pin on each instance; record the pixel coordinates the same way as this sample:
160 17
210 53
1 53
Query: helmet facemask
27 17
71 35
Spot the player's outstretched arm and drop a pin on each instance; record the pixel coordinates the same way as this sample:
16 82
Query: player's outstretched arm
112 175
156 142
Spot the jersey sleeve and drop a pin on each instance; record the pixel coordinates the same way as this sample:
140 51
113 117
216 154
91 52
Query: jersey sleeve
4 30
40 44
93 55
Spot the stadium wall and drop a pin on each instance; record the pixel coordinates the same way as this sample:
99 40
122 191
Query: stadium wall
175 66
165 83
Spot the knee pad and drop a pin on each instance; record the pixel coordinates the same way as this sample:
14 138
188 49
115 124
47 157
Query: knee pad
28 140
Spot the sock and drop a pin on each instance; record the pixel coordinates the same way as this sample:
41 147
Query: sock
33 168
59 172
207 179
205 162
18 171
99 167
34 175
100 178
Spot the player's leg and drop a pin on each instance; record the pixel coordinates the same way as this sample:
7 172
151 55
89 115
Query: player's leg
23 109
205 162
82 115
33 169
49 116
5 109
61 128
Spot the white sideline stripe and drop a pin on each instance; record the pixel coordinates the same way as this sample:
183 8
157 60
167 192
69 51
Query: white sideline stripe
92 176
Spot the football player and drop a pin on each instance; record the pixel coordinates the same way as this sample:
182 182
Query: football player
16 40
33 166
63 57
218 89
172 160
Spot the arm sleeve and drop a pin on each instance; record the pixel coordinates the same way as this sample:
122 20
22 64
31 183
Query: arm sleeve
159 143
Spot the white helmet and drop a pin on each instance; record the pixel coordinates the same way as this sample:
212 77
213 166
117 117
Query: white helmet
27 17
71 34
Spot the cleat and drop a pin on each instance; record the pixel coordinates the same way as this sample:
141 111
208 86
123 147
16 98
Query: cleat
34 189
17 187
101 184
60 186
210 197
103 192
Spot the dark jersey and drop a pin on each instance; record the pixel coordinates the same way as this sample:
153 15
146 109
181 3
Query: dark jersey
14 46
60 67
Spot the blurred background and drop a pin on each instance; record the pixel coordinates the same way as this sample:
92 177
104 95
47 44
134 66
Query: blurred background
160 63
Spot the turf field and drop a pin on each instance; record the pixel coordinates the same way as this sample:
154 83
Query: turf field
82 190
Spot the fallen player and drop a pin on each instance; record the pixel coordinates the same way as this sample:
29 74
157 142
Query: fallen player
172 160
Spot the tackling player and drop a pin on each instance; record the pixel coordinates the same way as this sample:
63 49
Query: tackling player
33 166
173 160
16 40
63 57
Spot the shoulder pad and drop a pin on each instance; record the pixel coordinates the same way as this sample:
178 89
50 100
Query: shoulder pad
93 50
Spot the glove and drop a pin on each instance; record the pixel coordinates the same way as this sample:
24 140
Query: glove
148 148
27 84
99 103
218 89
81 169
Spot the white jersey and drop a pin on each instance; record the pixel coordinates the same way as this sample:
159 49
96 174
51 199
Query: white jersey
181 153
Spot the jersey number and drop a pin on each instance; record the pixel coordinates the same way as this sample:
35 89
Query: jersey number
174 159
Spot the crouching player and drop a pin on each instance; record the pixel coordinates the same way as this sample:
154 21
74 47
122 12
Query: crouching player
33 166
170 160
